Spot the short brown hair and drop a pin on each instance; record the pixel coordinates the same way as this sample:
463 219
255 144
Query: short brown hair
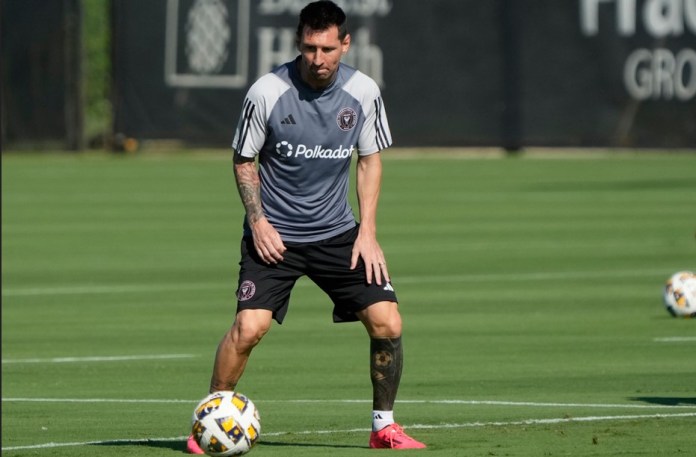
321 15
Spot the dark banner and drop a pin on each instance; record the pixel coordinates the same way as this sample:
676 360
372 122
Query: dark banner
609 72
452 72
41 72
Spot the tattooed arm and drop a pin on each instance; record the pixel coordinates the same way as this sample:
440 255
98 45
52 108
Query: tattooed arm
267 241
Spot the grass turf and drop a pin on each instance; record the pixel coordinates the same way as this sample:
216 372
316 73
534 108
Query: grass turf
530 289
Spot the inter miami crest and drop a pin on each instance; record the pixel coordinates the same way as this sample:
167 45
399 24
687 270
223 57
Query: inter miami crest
246 291
346 119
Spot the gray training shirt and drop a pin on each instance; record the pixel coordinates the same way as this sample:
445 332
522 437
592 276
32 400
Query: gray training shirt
305 140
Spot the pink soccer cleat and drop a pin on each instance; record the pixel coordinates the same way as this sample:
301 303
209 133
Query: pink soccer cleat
192 447
393 437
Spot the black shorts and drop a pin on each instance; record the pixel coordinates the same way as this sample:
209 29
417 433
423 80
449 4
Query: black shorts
326 263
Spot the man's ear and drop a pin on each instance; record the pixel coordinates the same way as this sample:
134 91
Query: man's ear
345 45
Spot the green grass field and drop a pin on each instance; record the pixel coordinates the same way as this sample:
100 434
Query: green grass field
530 289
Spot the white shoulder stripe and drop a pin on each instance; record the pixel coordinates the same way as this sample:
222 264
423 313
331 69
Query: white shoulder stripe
247 112
376 134
382 135
258 105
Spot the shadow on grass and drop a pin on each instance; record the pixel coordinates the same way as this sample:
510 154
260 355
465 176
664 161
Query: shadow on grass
667 401
180 445
264 443
174 445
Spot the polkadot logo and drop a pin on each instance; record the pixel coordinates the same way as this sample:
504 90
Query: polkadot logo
283 149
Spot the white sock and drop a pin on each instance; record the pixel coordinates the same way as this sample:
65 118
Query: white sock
381 419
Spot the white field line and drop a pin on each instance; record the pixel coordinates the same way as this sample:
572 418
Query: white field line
419 402
115 358
504 403
90 443
524 422
675 339
129 288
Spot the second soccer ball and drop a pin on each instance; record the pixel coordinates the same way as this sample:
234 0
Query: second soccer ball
680 294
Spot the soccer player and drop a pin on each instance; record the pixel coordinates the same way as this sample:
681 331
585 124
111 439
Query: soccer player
304 121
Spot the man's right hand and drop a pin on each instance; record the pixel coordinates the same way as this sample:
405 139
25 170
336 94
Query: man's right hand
269 246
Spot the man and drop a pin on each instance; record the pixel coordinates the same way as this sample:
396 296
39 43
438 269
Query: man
304 121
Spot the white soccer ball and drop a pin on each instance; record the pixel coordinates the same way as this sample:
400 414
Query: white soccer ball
680 294
226 423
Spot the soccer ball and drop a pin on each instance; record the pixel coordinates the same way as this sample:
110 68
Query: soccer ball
226 423
680 294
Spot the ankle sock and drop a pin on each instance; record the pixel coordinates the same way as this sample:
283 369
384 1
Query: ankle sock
381 419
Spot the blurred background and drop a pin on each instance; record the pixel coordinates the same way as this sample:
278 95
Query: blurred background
124 74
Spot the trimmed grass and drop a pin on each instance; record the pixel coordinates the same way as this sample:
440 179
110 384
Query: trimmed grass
530 289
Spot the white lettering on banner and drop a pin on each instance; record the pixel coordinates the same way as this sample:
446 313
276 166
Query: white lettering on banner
365 56
219 36
351 7
658 73
277 46
664 17
625 16
660 18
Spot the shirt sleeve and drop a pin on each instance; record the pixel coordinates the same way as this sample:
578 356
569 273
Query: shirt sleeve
375 134
250 135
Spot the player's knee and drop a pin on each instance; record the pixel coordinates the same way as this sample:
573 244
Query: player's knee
247 336
382 320
248 332
392 327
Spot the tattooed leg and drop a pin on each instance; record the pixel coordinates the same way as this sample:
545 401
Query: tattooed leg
386 363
